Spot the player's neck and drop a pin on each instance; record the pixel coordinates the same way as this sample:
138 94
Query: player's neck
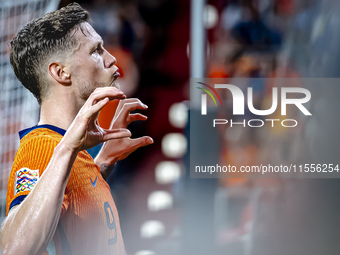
58 111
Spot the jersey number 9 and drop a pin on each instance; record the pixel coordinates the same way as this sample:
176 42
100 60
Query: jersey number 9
110 220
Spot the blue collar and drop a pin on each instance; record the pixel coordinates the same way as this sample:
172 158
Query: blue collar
24 132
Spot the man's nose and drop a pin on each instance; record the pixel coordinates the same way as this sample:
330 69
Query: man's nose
109 60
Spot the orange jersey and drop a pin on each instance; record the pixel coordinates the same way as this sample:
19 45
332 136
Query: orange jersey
89 222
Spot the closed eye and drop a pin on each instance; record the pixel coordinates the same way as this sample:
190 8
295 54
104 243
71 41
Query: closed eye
98 49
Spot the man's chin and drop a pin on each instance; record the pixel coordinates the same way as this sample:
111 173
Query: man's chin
115 84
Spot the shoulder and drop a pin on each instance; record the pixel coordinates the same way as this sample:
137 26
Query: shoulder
34 153
36 149
40 136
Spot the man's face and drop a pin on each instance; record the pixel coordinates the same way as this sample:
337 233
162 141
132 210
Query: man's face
91 66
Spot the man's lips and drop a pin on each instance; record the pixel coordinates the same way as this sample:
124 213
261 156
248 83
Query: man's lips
116 74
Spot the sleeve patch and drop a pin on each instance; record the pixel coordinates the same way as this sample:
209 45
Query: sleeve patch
25 180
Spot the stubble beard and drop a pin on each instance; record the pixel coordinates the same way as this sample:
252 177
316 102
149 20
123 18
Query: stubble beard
88 88
115 84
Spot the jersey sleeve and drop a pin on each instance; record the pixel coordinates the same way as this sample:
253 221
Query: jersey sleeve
29 164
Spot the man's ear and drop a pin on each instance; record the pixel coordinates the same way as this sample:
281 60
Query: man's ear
59 72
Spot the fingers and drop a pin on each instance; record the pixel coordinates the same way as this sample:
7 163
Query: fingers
116 134
141 142
135 117
130 145
128 107
126 101
94 109
101 93
123 116
110 92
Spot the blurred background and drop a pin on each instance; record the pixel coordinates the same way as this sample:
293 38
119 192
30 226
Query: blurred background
162 210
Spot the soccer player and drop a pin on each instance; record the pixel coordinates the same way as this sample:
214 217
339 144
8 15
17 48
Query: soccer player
57 199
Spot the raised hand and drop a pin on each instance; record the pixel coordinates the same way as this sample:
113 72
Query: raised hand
118 149
85 131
